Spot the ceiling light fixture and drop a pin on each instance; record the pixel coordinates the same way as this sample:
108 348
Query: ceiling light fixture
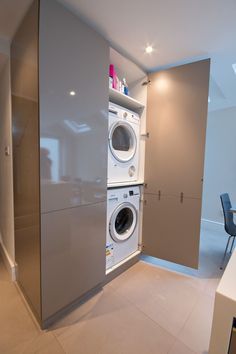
234 67
72 93
149 49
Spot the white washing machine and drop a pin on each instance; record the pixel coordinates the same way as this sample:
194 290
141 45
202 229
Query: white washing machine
122 224
123 149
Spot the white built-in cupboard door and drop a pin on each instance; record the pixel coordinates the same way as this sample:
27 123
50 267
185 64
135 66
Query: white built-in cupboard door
176 120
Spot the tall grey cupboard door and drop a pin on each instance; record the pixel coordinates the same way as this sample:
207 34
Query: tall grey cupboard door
73 64
176 122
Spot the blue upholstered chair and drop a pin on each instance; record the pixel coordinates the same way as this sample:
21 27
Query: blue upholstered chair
230 226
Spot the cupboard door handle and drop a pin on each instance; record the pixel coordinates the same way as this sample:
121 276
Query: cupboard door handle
159 195
181 197
145 135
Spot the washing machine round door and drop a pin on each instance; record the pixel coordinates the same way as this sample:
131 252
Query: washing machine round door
122 141
123 222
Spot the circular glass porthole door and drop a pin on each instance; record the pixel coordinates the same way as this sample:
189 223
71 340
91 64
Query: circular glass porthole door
122 141
123 222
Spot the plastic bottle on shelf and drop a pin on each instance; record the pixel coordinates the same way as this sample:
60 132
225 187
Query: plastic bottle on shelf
110 82
126 89
116 82
113 76
122 87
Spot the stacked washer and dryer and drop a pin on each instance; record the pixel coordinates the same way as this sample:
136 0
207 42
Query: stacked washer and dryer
123 195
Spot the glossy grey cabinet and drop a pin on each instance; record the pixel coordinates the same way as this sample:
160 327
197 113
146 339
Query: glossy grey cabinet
73 256
73 62
60 115
25 124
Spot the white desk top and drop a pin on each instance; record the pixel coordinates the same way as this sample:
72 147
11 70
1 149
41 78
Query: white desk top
224 310
227 285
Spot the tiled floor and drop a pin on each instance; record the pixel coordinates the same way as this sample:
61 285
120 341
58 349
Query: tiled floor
147 310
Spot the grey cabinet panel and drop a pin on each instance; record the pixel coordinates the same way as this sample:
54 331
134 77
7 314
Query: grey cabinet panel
176 119
60 154
73 254
25 135
172 229
73 65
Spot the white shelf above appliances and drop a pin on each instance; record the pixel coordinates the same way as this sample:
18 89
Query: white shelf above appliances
125 101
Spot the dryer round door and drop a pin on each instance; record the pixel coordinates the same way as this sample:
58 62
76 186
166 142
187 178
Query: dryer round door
123 222
122 141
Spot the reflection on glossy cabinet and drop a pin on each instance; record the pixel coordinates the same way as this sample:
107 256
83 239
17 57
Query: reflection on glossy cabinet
73 110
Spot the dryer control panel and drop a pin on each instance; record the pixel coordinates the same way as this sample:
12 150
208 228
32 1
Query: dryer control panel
123 113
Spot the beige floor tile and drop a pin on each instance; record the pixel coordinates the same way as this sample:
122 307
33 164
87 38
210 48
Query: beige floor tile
211 287
115 326
17 326
180 348
197 329
78 314
4 275
136 269
166 297
46 343
135 313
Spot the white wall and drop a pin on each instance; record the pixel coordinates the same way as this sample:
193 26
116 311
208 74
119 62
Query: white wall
220 162
6 173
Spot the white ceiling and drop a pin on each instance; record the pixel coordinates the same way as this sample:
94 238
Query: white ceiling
179 30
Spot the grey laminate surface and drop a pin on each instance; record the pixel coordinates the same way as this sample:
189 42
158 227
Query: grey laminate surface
172 229
176 120
73 66
25 121
73 254
73 128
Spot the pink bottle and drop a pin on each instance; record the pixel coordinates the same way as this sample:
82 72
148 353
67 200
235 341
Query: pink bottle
112 73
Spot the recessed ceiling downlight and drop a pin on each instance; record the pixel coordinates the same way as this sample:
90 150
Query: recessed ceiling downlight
149 49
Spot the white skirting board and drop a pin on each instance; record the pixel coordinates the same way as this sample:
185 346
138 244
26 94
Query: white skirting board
135 254
211 225
10 265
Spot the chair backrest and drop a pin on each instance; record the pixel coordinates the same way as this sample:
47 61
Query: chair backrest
230 227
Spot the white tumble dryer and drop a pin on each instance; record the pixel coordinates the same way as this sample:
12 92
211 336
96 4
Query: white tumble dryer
123 149
122 224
